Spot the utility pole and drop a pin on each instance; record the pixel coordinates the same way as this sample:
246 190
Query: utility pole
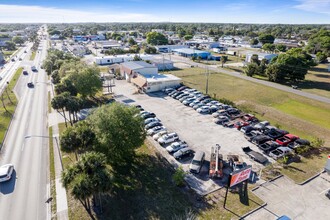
207 80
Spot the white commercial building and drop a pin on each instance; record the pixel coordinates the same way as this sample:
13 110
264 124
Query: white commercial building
108 60
146 77
261 56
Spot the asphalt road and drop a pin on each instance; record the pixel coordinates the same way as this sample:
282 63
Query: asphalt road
177 58
26 146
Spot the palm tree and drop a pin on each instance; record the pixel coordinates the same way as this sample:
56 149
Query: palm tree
88 177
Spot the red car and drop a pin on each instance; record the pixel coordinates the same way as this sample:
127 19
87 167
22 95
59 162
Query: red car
241 124
287 139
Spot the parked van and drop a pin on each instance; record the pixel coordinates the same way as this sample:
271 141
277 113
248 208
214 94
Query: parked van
197 162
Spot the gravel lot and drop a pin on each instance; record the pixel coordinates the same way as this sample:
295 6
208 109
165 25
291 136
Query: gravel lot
199 131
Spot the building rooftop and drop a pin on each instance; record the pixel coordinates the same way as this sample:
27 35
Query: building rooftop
134 65
160 77
190 51
161 61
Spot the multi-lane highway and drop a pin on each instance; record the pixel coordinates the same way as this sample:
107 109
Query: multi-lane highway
26 144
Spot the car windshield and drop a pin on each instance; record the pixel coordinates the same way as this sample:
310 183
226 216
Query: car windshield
196 162
3 176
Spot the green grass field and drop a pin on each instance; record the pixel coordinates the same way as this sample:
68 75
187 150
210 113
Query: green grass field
10 103
33 55
293 112
317 81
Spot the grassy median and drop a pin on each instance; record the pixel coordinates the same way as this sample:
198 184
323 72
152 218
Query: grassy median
33 55
8 103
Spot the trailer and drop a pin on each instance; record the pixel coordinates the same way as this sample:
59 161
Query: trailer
216 163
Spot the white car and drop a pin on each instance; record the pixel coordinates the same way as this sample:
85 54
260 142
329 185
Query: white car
155 130
178 145
204 109
194 103
159 135
6 172
168 138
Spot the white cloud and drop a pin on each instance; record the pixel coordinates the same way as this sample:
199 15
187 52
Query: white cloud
317 6
34 14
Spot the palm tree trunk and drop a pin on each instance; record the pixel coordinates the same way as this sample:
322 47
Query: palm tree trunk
70 119
3 104
9 97
66 124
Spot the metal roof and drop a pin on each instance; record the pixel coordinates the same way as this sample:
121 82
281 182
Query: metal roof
190 51
135 65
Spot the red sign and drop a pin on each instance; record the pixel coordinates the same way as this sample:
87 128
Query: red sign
240 176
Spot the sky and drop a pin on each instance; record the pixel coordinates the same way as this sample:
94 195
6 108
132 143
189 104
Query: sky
206 11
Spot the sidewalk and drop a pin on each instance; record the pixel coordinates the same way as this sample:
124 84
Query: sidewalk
61 197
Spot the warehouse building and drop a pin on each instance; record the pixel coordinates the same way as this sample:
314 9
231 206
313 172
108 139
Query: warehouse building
108 60
188 52
162 64
261 56
146 77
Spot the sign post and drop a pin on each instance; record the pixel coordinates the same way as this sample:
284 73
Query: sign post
236 178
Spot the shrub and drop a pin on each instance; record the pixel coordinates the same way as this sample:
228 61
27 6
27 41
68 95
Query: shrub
317 142
178 177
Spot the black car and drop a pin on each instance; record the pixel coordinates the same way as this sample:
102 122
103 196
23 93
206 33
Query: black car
25 72
30 85
276 133
268 146
153 124
182 153
148 115
328 194
260 139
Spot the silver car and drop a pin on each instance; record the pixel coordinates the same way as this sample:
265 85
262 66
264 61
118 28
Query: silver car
5 172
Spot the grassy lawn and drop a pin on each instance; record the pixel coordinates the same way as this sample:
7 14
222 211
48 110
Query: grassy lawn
104 69
317 81
292 112
236 206
10 102
52 171
33 55
309 166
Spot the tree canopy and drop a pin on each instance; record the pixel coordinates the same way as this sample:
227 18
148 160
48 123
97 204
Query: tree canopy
119 131
155 38
266 38
319 42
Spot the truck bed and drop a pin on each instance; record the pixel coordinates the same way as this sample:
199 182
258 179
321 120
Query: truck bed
255 155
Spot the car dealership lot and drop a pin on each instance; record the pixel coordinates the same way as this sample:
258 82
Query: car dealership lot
198 130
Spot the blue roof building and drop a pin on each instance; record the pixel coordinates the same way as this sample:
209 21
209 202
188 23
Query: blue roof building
188 52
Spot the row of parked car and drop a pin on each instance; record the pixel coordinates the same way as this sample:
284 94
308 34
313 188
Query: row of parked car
201 103
273 141
176 147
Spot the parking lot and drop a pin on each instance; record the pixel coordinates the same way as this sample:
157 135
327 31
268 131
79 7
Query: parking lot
284 197
198 130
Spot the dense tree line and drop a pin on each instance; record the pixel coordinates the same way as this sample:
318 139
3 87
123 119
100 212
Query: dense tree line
74 82
213 29
291 66
105 146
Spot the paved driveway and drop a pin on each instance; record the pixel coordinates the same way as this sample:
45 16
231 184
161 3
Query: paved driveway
284 197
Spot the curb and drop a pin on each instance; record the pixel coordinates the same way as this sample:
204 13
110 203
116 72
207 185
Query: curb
271 180
252 211
311 178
